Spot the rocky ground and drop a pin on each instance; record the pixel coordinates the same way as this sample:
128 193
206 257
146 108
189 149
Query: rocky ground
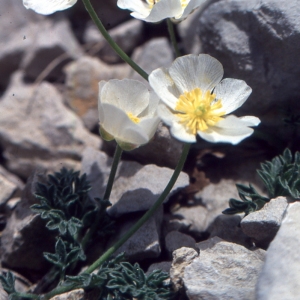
49 73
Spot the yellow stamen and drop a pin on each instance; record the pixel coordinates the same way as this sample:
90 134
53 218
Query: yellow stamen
198 110
151 3
133 118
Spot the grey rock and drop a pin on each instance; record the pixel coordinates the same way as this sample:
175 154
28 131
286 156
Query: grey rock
111 15
279 278
24 241
128 36
263 224
25 236
145 243
223 271
18 27
189 31
171 223
12 178
73 295
82 78
12 203
136 187
162 150
154 54
53 44
213 200
3 294
228 228
196 216
7 188
258 41
37 130
164 266
181 259
175 240
209 243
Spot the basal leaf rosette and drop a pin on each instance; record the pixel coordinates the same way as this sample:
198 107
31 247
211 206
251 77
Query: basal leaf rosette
196 101
47 7
127 112
158 10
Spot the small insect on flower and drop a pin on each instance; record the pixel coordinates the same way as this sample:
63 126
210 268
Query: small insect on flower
158 10
196 101
47 7
127 112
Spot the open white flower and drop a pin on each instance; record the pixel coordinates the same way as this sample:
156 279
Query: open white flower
198 102
157 10
47 7
127 112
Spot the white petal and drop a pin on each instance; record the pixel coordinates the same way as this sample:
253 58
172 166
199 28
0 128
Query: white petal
193 4
191 71
164 9
133 135
176 129
151 110
250 120
164 87
116 122
137 6
47 7
180 133
233 93
230 130
101 84
129 95
149 126
167 115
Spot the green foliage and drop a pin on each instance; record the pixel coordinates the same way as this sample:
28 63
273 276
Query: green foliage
252 201
8 282
121 280
63 257
65 205
281 177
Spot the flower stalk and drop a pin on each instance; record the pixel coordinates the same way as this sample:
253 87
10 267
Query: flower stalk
132 230
173 37
146 216
112 175
111 42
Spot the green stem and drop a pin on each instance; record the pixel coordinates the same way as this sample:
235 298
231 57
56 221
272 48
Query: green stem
132 230
173 37
112 175
146 216
113 171
111 42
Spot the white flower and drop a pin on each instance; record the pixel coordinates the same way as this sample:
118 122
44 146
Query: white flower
127 112
47 7
198 102
157 10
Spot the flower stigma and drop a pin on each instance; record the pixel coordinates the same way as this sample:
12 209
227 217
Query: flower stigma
133 118
198 110
151 3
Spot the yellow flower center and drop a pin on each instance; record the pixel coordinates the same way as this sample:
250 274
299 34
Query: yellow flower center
151 3
133 118
198 110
